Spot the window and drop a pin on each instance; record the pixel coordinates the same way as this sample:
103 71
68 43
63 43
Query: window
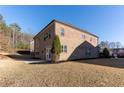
63 48
94 40
83 36
62 31
47 36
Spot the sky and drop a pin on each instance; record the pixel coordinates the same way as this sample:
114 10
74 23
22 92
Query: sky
107 22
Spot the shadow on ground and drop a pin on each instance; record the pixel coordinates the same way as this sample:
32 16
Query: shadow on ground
116 63
26 59
22 57
30 60
110 62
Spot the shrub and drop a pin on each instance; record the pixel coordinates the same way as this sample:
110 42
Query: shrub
56 49
105 52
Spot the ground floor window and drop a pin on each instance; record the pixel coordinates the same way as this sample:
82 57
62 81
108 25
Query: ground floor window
63 48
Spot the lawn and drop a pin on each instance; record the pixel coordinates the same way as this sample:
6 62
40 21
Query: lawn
83 73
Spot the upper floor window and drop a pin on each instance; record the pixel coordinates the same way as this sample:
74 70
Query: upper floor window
93 40
62 32
47 36
83 36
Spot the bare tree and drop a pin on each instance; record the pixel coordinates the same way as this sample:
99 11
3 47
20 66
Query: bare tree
1 18
118 45
15 29
112 45
102 45
11 36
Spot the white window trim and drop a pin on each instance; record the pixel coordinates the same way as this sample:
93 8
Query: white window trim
64 48
62 32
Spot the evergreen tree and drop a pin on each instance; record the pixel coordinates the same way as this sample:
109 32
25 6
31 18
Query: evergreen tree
106 53
56 49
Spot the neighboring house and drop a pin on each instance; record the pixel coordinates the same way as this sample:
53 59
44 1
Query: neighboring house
32 48
117 51
75 43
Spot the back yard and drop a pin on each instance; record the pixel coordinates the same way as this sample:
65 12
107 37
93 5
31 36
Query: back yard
87 73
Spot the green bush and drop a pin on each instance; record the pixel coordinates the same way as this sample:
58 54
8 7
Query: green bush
106 53
56 49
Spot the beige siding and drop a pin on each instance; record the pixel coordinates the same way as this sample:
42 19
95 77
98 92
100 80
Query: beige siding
41 45
78 42
73 39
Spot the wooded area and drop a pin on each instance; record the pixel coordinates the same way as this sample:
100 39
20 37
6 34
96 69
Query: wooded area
12 38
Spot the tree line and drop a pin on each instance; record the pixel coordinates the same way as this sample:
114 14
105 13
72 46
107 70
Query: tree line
12 38
110 45
106 46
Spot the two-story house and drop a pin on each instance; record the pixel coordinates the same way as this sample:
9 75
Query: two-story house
75 43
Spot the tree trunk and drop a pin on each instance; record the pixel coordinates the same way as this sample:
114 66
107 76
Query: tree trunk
55 58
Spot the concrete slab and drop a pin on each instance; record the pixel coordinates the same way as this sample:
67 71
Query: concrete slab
35 61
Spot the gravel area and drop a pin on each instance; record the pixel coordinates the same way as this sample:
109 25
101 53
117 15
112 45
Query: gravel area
14 73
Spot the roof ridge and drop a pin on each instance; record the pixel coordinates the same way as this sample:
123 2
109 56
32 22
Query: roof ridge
71 25
68 24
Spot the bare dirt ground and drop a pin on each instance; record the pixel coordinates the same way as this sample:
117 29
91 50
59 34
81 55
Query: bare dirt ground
84 73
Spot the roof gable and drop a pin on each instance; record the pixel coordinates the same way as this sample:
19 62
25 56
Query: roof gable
67 25
75 28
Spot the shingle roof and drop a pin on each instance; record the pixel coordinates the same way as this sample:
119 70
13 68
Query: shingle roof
67 25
